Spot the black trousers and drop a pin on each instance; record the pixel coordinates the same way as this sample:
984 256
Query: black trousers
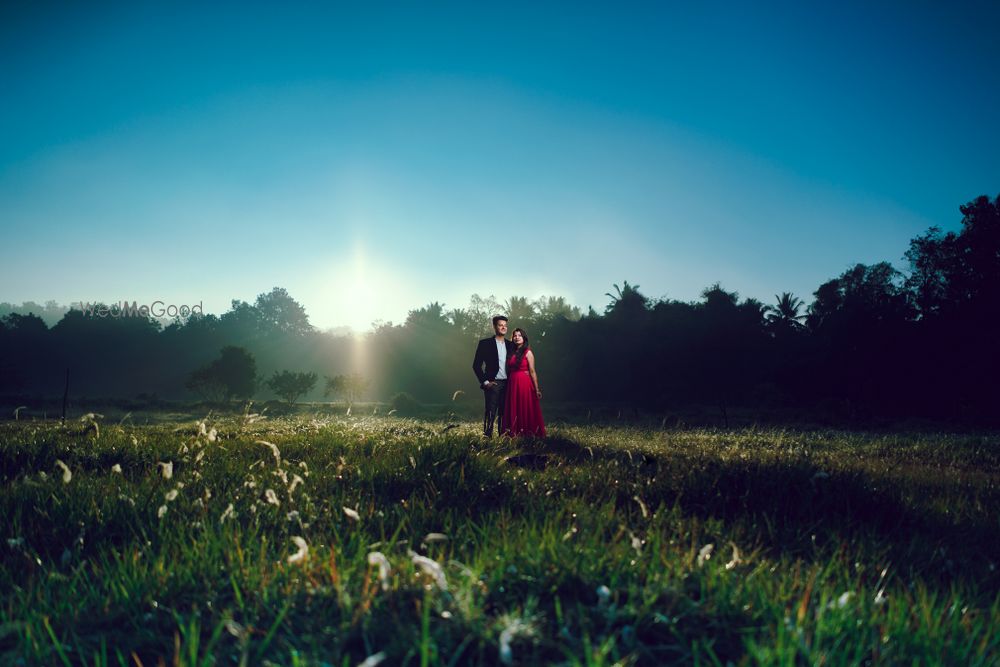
495 396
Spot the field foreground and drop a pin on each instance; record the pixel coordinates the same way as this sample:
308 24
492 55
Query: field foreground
353 540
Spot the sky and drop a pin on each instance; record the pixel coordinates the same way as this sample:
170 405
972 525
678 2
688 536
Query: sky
372 159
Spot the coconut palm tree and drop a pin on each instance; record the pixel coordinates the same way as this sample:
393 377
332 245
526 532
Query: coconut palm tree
785 314
626 297
520 309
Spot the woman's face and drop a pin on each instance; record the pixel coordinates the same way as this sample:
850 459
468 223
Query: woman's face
517 338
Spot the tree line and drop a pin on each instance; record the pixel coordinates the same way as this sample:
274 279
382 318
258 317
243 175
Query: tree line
874 341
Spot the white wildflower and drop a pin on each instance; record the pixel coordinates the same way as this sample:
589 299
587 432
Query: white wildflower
171 495
880 598
199 456
160 512
296 480
432 568
117 468
303 551
135 441
514 629
431 538
270 496
379 559
201 428
235 629
351 514
735 559
841 601
213 435
230 512
274 450
167 469
642 506
67 475
373 660
705 553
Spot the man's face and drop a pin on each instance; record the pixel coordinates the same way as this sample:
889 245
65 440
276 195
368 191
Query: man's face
500 327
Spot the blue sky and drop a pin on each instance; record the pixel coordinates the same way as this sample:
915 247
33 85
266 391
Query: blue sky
371 161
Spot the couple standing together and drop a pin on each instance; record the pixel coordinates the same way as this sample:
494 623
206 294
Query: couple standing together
506 372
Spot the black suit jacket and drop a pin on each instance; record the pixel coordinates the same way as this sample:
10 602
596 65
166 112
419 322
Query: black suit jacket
486 355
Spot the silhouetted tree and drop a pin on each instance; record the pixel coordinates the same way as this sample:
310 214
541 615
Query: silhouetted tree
730 340
959 272
23 340
232 375
290 385
859 325
466 322
552 307
955 282
784 317
521 311
50 313
206 383
626 300
280 313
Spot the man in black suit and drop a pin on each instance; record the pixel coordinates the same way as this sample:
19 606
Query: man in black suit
490 367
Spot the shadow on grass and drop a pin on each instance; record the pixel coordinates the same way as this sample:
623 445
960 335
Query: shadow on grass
905 517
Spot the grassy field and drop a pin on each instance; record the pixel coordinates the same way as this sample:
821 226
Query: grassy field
345 541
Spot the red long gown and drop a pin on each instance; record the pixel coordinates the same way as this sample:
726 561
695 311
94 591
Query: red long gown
522 411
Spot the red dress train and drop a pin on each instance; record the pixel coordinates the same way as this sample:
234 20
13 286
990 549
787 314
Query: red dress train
522 413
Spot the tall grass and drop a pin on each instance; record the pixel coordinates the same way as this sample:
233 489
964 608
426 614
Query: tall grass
598 546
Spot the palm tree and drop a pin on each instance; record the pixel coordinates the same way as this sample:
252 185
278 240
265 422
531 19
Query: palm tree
520 310
785 315
625 297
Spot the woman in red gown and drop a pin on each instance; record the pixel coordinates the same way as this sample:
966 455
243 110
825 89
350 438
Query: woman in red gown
522 411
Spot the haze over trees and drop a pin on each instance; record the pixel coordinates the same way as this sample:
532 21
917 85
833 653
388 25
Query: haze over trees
873 341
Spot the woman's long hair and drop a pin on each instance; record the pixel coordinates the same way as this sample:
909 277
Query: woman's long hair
521 351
